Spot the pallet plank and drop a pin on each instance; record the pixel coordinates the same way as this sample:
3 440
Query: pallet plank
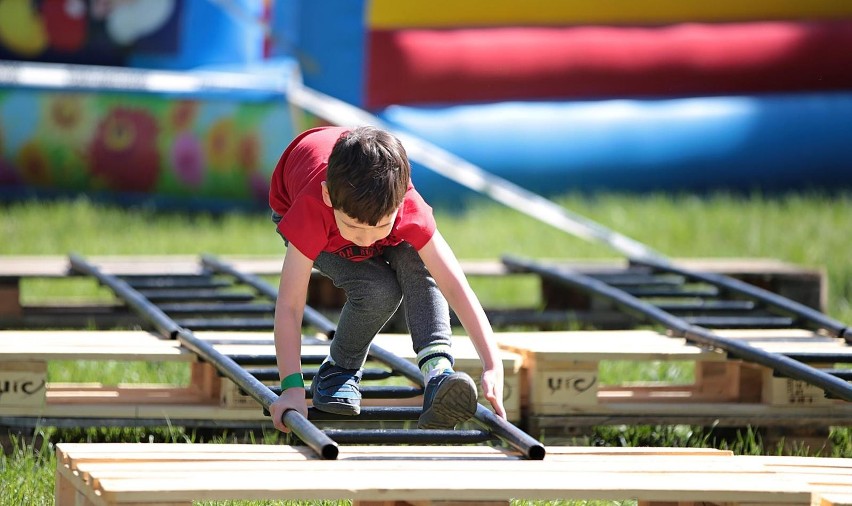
123 473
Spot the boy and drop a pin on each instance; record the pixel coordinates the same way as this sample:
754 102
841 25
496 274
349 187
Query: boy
343 201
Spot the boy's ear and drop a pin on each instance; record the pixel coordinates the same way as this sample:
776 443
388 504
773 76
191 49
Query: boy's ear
325 196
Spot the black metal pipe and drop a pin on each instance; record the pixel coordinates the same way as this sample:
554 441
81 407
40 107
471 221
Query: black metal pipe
821 357
373 392
630 304
693 333
191 294
409 436
520 440
370 414
503 429
169 282
142 306
218 308
393 361
228 323
311 315
812 316
271 373
245 359
782 364
298 424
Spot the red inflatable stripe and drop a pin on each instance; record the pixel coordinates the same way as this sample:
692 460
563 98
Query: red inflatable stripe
494 64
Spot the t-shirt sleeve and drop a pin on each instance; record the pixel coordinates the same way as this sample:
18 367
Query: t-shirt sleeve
304 226
418 223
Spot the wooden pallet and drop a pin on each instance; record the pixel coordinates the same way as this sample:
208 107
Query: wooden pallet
560 383
176 474
24 356
551 380
803 285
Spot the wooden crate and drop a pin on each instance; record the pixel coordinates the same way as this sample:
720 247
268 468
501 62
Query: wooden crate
22 384
24 355
779 391
561 369
176 474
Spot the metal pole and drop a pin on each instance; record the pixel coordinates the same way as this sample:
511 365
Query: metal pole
298 424
161 322
503 429
780 363
814 317
311 315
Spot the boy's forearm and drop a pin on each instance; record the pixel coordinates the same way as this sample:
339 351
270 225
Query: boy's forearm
476 324
288 342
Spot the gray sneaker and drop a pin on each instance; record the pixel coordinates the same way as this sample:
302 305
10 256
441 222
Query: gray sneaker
337 390
449 399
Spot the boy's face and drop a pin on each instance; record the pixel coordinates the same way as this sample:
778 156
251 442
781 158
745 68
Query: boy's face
360 233
356 231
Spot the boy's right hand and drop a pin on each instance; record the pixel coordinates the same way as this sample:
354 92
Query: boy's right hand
292 398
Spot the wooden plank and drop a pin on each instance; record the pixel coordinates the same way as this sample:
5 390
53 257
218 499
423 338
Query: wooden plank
90 345
455 485
162 412
621 464
239 451
616 411
137 394
177 473
788 340
566 346
832 499
34 266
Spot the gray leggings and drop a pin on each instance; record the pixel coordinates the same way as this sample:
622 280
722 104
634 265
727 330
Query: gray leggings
374 290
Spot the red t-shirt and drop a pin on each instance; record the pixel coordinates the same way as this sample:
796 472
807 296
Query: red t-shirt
296 194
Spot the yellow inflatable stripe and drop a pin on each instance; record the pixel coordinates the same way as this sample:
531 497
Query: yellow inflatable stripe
393 14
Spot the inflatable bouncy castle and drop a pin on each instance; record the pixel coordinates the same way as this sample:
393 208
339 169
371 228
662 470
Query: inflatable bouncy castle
184 102
561 95
119 100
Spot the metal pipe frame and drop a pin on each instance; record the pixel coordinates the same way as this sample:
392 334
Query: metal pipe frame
298 424
311 316
679 328
512 435
814 318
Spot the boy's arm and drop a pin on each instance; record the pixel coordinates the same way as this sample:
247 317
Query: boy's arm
444 267
289 307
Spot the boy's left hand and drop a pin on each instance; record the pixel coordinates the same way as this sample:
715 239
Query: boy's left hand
492 388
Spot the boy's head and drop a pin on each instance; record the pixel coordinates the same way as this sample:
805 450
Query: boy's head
368 174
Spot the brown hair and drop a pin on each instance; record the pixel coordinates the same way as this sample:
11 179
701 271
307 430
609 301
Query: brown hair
368 174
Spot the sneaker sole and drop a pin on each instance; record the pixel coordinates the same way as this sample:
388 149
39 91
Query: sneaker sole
334 407
337 408
454 402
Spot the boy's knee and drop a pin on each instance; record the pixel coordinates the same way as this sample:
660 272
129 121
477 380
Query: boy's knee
375 296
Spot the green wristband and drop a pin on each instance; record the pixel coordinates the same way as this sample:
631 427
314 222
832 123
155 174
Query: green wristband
292 381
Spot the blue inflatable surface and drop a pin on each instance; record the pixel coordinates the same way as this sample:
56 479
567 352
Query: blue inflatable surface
770 143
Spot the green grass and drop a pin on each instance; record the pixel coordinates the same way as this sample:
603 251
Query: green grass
808 230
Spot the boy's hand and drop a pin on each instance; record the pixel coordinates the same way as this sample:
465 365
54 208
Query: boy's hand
492 388
292 398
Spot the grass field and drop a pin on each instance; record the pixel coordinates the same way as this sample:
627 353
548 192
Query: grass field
808 230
